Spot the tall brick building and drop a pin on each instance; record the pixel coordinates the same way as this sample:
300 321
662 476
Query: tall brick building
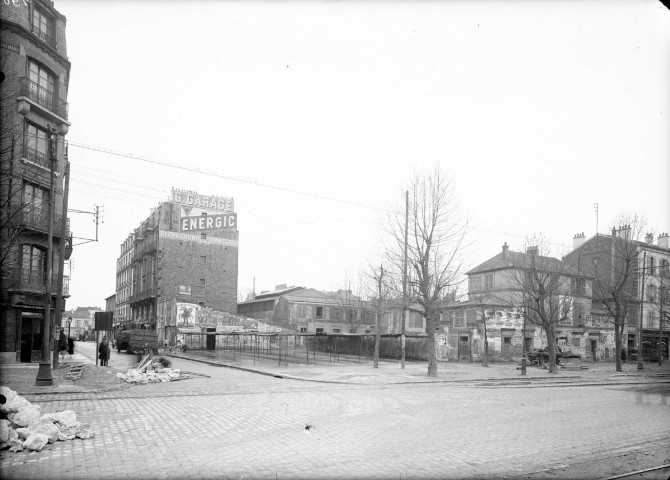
33 123
186 251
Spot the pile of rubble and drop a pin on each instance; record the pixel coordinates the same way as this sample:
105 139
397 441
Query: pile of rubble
151 372
22 426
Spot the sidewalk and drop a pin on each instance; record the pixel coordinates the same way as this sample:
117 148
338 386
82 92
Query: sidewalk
21 378
349 370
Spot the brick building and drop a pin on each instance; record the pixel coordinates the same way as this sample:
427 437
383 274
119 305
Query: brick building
33 123
186 251
124 281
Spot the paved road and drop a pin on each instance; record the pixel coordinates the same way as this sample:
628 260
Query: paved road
232 424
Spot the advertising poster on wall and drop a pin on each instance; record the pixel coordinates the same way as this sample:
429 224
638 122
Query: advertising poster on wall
186 315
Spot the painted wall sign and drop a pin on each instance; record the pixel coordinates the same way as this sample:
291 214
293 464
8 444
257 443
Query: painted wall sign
194 199
209 222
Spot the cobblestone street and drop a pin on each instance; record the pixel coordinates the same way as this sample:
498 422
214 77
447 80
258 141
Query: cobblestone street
237 424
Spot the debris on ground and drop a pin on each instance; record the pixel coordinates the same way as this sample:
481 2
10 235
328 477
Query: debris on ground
22 426
148 372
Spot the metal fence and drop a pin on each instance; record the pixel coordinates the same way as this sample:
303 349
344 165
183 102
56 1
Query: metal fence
302 348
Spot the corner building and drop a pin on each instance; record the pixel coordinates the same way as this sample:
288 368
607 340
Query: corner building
185 252
33 125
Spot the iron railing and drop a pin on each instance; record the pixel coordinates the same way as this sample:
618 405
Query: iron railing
27 280
35 156
44 36
37 219
43 97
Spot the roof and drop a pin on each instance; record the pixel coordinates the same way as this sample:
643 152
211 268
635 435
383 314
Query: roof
272 295
509 259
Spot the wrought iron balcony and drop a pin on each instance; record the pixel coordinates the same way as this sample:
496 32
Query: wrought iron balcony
25 280
43 97
35 156
44 36
37 219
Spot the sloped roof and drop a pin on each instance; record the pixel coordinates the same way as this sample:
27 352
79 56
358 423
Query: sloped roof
509 259
310 295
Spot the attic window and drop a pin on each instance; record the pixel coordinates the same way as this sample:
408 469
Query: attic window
319 312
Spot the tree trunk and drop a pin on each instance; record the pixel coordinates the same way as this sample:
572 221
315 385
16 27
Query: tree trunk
432 345
618 331
485 362
551 347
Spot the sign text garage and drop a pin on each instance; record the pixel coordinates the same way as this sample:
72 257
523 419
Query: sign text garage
209 222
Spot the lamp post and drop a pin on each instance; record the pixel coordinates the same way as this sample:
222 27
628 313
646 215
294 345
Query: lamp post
44 376
69 326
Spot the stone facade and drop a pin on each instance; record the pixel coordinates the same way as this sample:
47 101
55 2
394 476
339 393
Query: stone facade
34 108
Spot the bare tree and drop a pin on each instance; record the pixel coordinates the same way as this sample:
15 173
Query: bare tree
352 307
435 241
543 285
485 309
380 290
615 264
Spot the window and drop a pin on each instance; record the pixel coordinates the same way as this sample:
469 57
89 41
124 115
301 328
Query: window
203 259
33 267
578 286
202 304
35 200
203 236
337 330
35 145
476 283
664 267
651 265
651 293
459 318
578 316
650 321
319 331
43 26
41 85
202 282
319 312
488 281
303 329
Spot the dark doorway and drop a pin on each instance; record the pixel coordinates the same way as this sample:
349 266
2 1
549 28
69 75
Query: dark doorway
507 348
594 350
211 339
31 338
464 348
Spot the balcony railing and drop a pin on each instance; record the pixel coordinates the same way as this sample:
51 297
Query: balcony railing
43 97
44 36
38 219
32 281
146 293
35 156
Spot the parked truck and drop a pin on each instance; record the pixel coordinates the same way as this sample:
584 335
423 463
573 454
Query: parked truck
134 341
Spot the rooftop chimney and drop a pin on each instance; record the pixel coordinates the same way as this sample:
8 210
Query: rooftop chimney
624 232
663 240
578 240
532 250
649 239
504 251
280 287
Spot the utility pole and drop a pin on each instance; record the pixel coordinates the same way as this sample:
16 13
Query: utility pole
640 363
44 376
380 281
404 287
661 300
61 257
523 339
595 209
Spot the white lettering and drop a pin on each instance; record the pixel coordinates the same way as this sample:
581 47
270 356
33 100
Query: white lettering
231 221
218 222
205 202
210 222
189 199
193 224
201 223
184 224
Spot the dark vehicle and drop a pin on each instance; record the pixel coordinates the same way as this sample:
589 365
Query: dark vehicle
540 357
134 341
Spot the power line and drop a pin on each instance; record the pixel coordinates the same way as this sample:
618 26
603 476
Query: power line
219 175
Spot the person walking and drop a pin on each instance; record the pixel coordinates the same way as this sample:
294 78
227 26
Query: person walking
103 352
70 345
62 345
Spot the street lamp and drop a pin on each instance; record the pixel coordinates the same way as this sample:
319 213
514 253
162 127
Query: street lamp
69 325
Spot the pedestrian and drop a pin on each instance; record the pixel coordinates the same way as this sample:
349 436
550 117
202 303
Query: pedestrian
103 352
70 345
62 345
623 355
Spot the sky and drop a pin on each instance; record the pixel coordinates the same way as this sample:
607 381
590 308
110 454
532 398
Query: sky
313 116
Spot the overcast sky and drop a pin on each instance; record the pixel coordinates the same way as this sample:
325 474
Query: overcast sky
312 115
